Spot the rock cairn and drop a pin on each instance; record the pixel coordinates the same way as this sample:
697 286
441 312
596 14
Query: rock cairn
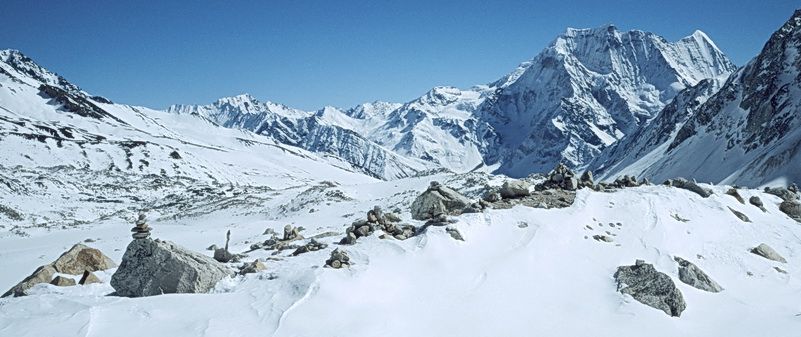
141 230
312 246
561 177
377 219
339 259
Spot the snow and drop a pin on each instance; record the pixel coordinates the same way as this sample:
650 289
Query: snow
545 278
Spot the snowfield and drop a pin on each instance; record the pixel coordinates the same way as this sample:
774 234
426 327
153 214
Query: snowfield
520 271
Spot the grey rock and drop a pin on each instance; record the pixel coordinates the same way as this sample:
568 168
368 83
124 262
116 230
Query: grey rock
62 281
740 215
756 201
436 200
223 255
733 192
454 233
691 186
339 259
515 189
792 208
782 193
690 274
650 287
153 267
88 278
252 267
767 252
602 238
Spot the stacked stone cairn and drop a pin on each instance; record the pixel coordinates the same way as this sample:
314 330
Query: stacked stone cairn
141 230
561 177
339 259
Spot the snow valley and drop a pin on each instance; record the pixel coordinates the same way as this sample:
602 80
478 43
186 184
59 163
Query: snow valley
615 184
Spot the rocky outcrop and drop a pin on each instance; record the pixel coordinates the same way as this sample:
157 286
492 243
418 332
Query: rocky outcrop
75 261
781 192
690 274
438 199
767 252
690 186
734 193
650 287
154 267
377 219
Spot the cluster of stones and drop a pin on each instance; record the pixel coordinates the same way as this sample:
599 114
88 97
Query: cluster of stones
790 200
291 234
252 267
623 182
561 177
312 246
377 219
339 259
141 230
78 260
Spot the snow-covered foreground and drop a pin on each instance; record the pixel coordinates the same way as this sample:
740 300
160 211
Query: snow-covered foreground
521 271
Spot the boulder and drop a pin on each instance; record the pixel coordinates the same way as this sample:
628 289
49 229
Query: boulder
792 208
767 252
740 215
691 275
734 193
253 267
62 281
512 189
782 192
756 201
154 267
690 186
223 255
587 179
88 278
436 200
43 274
454 233
80 258
650 287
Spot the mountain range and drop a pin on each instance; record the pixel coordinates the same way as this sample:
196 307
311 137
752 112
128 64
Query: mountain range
615 102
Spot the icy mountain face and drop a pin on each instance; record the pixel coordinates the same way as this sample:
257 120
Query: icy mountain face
587 90
647 145
329 132
749 132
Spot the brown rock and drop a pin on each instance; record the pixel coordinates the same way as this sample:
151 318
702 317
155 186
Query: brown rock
62 281
88 278
80 258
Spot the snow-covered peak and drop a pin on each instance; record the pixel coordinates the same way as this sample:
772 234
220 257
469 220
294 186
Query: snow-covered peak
23 68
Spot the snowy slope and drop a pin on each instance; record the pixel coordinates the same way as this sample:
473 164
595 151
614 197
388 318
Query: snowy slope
544 278
328 132
749 133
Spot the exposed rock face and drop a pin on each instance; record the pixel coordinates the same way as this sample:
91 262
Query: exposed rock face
80 258
690 186
154 267
792 208
74 261
514 189
650 287
436 200
694 276
767 252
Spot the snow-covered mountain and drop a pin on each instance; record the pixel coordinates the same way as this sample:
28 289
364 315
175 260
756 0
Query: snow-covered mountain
581 94
590 88
748 133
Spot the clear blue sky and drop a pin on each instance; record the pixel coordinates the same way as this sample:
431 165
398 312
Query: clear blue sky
307 54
